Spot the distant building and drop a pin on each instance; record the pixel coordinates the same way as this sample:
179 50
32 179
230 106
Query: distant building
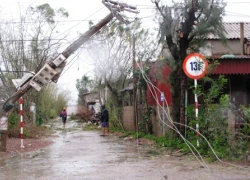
72 109
91 99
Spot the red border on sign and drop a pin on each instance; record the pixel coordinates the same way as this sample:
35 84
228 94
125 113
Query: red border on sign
186 71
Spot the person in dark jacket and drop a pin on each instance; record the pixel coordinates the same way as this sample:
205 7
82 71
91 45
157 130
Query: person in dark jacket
63 115
104 121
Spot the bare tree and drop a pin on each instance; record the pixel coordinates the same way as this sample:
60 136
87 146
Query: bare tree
112 53
28 44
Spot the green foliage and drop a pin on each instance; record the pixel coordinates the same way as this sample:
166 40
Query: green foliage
46 11
73 117
13 121
180 32
210 21
114 115
213 125
83 85
53 113
63 12
51 102
139 75
165 141
246 111
215 88
134 135
27 133
245 130
90 127
145 125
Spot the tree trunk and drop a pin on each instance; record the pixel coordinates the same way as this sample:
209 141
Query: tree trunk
182 102
183 82
178 77
175 83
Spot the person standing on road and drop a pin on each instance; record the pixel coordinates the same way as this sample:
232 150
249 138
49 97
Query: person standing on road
104 121
63 115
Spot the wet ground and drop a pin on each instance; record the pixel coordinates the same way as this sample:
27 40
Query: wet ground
78 154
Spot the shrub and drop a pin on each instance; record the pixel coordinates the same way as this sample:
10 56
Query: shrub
13 121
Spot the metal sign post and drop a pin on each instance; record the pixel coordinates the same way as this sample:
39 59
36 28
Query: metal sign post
195 67
163 119
196 110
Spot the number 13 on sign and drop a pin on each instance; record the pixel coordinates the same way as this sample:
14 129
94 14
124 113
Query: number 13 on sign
195 66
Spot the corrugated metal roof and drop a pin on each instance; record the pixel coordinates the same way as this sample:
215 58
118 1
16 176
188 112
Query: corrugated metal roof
237 65
233 30
235 57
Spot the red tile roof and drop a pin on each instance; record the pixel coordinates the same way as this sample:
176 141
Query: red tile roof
233 30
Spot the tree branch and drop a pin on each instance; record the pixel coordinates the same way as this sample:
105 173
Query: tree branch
211 7
157 6
172 47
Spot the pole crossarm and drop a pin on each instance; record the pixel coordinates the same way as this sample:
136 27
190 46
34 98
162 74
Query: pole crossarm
120 6
116 8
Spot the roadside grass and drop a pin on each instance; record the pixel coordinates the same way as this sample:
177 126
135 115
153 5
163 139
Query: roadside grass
29 131
170 143
90 127
175 144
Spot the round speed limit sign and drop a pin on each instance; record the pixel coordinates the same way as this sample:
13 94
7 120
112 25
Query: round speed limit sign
195 66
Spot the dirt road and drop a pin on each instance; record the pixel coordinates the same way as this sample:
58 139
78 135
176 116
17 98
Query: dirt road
84 155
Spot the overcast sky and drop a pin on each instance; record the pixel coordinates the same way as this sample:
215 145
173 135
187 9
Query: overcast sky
81 11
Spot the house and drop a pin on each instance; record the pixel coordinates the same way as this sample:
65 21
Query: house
91 99
234 61
154 98
238 41
161 97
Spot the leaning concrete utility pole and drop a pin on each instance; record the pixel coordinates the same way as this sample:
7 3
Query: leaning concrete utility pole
52 70
86 36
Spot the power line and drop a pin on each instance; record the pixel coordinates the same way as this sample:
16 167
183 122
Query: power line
21 40
238 2
70 21
80 22
62 21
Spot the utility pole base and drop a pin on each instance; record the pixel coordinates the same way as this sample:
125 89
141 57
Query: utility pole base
3 136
